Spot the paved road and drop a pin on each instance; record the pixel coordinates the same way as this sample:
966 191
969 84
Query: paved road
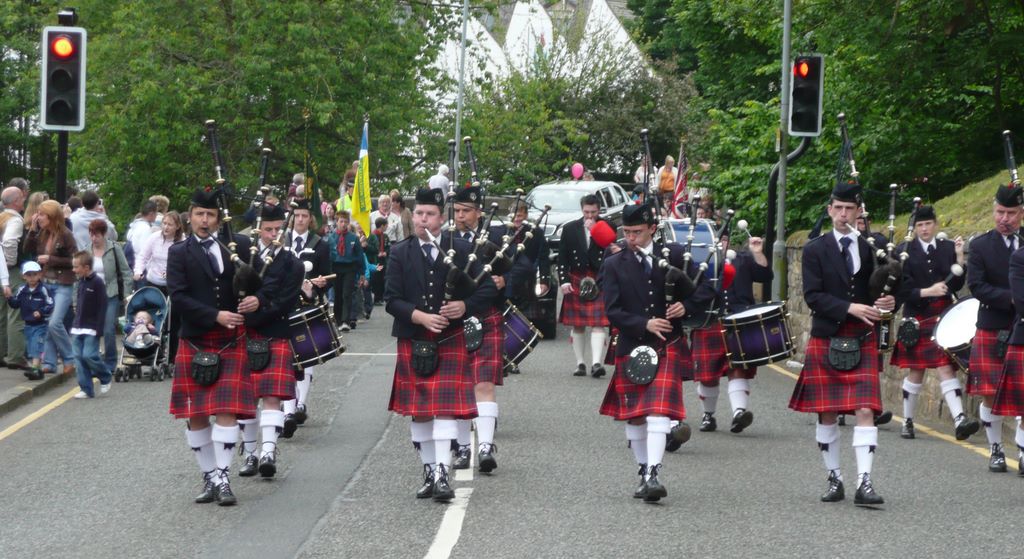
113 478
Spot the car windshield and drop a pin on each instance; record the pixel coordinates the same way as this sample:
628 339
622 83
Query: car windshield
560 200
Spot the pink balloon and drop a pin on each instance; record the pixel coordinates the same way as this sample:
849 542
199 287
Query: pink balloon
577 171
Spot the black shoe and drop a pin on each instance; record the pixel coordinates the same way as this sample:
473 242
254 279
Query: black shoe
708 423
653 489
678 436
883 418
290 425
842 419
1020 467
639 493
352 324
34 374
268 464
597 371
442 491
907 432
514 369
225 497
581 370
997 461
300 414
866 495
209 493
741 420
426 490
965 427
486 457
835 492
250 466
462 458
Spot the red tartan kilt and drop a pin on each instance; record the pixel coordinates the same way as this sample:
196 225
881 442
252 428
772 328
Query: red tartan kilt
233 391
926 354
663 396
821 388
986 367
1010 395
446 393
277 379
577 312
709 361
488 363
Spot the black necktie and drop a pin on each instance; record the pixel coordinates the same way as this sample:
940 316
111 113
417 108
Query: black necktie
428 253
646 264
208 247
467 235
845 241
298 245
1009 245
931 249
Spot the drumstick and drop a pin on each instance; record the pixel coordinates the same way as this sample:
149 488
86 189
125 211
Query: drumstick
330 277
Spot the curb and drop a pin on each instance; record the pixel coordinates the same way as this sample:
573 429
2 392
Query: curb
13 398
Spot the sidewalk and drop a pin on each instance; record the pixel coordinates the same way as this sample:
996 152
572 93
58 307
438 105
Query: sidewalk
16 390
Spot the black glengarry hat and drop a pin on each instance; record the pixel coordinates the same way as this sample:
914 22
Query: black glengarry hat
1010 196
847 192
272 213
925 213
300 204
469 195
638 214
205 198
430 196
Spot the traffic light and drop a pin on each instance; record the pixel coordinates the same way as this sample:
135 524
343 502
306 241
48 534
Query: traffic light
805 95
62 91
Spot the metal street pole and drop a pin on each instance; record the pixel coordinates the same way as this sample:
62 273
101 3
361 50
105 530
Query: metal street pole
779 286
462 90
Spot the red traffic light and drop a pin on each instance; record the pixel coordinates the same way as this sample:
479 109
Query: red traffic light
801 69
62 47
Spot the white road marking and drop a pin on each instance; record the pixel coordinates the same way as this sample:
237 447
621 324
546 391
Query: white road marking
451 525
354 354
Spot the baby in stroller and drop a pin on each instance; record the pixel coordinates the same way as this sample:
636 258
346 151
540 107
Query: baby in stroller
146 334
143 330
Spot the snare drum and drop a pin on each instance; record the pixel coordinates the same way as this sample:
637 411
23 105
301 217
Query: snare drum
521 336
956 329
757 336
314 336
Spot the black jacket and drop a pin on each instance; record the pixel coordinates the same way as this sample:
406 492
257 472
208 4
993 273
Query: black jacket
197 294
1017 289
320 257
988 276
740 294
535 257
573 253
828 287
921 271
410 284
279 296
631 298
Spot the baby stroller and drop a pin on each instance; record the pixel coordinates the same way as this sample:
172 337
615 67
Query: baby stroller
152 352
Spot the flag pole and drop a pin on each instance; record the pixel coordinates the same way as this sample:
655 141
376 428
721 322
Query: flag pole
462 90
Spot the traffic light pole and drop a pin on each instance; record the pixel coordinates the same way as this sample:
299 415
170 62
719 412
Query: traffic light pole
779 285
62 166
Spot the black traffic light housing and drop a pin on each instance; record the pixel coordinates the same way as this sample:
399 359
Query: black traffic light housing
62 91
805 95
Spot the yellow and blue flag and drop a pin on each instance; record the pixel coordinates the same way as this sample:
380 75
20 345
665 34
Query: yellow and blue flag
361 203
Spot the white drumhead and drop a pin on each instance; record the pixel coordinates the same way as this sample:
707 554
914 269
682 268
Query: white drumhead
754 311
959 324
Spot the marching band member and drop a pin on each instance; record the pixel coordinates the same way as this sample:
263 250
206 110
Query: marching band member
269 346
579 257
926 294
487 359
988 264
840 373
199 276
709 359
1009 398
436 386
635 299
533 261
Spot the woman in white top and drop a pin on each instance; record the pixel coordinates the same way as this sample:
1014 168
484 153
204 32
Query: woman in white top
152 261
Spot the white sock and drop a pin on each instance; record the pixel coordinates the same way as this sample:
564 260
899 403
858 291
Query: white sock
422 434
637 437
952 392
658 428
250 429
598 337
708 396
828 442
910 393
739 394
1019 439
444 431
302 386
289 406
993 425
465 430
578 338
202 446
272 423
865 439
486 421
224 441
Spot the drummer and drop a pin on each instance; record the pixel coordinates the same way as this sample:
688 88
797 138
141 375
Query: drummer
1009 398
842 313
530 276
708 344
926 294
434 393
487 359
988 264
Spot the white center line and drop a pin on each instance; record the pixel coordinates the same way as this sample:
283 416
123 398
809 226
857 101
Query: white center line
451 526
354 354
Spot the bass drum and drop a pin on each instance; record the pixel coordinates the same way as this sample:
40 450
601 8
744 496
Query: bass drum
314 336
956 329
703 249
520 336
758 336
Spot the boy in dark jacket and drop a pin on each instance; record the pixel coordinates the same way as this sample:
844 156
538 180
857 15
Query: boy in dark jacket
89 316
36 303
